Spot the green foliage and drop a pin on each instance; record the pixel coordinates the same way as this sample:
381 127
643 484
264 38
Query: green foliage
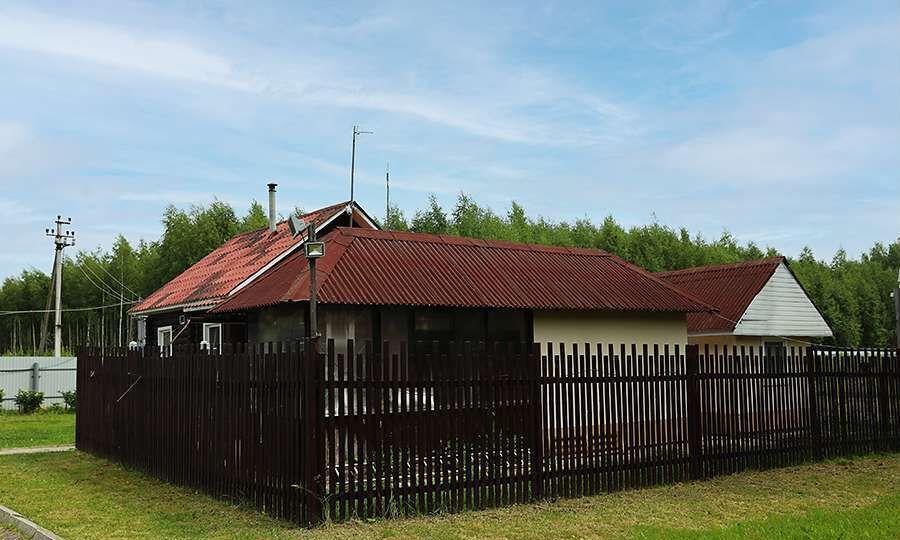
433 220
853 295
98 278
29 401
2 395
69 399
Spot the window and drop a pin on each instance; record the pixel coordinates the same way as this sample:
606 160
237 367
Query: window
212 335
164 339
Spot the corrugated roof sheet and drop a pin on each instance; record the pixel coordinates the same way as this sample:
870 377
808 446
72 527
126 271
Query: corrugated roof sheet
729 287
393 268
211 278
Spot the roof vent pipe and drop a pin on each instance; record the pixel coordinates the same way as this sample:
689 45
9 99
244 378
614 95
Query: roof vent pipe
272 217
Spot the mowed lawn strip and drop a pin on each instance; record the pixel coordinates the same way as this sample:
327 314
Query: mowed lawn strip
39 429
79 496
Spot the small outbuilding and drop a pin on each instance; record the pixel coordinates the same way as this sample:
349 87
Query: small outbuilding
760 304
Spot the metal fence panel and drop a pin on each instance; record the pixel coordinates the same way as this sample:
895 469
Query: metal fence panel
54 376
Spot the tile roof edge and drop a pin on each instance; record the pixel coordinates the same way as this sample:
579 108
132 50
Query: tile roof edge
775 261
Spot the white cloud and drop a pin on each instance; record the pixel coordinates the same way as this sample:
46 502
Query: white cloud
818 110
116 47
764 156
492 101
169 197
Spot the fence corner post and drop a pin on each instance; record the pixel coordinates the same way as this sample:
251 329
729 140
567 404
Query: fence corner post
537 450
888 371
815 429
312 441
692 358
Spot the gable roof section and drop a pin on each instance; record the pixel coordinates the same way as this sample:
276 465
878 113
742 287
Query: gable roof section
368 267
729 287
209 280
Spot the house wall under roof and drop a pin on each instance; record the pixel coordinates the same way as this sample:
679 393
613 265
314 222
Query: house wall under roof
754 342
609 327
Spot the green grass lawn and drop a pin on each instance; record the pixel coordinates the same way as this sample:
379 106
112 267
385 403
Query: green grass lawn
45 428
79 496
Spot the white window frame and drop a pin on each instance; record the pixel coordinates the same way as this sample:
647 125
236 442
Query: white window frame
206 327
159 333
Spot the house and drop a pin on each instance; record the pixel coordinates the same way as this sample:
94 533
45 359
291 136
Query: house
179 310
760 304
407 287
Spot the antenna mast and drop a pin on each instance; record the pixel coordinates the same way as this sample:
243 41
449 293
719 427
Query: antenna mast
356 132
387 182
62 239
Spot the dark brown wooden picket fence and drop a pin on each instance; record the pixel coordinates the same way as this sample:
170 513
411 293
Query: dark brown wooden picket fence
386 430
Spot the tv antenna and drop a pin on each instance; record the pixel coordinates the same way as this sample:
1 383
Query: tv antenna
387 183
356 133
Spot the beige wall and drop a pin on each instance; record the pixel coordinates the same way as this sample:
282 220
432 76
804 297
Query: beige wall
742 341
610 327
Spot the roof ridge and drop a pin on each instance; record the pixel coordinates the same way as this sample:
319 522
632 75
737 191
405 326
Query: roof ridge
401 236
725 266
316 211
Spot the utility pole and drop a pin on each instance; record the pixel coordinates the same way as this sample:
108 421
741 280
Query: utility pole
61 239
387 183
356 133
45 320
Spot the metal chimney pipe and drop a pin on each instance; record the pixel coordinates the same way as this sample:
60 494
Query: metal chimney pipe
272 217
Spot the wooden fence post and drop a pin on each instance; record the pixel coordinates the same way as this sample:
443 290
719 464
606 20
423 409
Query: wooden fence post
311 434
692 357
537 450
815 428
888 372
883 405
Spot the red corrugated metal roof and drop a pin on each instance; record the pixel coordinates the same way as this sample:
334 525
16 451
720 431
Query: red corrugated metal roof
392 268
211 278
729 287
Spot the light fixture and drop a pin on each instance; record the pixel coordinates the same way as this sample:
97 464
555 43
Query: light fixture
314 250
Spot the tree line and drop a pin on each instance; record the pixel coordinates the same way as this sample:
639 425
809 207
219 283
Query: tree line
853 294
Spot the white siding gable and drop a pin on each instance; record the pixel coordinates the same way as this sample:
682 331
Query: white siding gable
782 309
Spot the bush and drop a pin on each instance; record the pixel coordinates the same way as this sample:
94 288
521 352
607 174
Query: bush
29 401
2 395
69 398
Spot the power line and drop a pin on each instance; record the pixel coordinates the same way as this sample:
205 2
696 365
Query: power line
105 289
25 311
112 289
126 287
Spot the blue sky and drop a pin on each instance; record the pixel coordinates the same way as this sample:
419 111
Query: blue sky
778 121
